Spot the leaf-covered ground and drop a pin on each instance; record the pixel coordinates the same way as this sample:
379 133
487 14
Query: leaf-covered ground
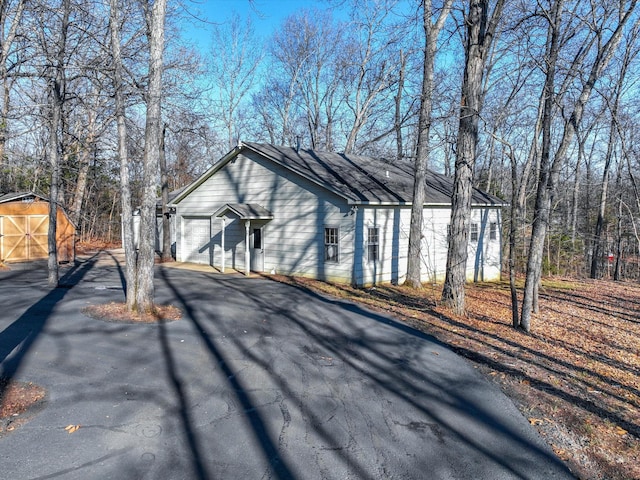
576 377
17 401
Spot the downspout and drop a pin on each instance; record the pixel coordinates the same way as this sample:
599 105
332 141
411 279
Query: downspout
224 222
247 253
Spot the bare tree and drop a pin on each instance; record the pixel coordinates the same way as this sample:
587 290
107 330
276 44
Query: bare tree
431 32
125 186
144 291
235 57
613 20
164 189
10 18
306 50
369 66
614 104
480 27
54 21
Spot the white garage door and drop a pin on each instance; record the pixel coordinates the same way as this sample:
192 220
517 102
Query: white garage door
197 240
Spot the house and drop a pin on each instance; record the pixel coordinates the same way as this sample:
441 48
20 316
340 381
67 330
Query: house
24 229
158 224
329 216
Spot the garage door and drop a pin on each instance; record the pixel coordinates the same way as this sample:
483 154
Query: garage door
24 237
196 240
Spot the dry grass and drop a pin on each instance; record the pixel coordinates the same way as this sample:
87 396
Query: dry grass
576 377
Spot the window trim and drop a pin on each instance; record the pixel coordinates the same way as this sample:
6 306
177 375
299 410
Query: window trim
475 231
327 244
375 244
257 238
493 231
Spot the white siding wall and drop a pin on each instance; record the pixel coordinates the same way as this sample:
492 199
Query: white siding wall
483 262
294 240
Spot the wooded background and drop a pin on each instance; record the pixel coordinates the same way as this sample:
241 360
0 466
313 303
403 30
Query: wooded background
555 122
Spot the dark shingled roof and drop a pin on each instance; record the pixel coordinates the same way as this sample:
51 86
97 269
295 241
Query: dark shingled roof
356 178
246 211
365 179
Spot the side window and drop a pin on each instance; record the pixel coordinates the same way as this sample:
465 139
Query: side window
372 244
474 232
493 231
331 245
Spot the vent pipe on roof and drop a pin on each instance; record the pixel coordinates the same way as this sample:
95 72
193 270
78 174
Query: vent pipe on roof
297 143
387 173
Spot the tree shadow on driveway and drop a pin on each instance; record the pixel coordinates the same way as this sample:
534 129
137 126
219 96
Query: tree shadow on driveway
19 336
373 397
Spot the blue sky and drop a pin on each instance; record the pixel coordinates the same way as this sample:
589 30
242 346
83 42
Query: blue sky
265 14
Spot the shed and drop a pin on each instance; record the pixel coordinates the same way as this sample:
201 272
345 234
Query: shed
325 215
24 228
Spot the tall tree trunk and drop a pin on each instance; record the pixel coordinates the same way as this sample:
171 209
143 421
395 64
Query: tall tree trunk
153 136
514 221
57 85
598 250
480 31
431 32
5 49
125 184
630 53
166 217
397 124
84 163
54 162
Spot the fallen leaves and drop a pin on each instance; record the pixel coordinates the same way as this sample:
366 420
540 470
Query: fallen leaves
72 428
620 431
17 400
17 397
118 312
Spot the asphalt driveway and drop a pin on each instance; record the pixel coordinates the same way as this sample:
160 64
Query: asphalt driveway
258 380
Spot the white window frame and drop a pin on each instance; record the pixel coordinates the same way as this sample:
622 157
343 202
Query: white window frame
474 235
376 244
331 239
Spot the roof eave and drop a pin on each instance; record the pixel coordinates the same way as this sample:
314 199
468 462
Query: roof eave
426 205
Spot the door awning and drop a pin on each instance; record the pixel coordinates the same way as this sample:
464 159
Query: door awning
245 211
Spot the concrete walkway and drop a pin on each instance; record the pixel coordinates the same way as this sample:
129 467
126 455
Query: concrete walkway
258 380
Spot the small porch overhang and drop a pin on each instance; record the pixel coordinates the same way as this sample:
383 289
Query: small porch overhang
246 212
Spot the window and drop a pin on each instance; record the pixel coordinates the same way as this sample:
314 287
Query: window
257 238
493 231
372 244
331 250
474 232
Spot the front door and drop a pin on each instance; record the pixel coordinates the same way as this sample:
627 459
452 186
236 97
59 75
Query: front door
257 249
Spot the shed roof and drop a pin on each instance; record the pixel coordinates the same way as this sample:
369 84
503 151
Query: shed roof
246 211
357 178
9 197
